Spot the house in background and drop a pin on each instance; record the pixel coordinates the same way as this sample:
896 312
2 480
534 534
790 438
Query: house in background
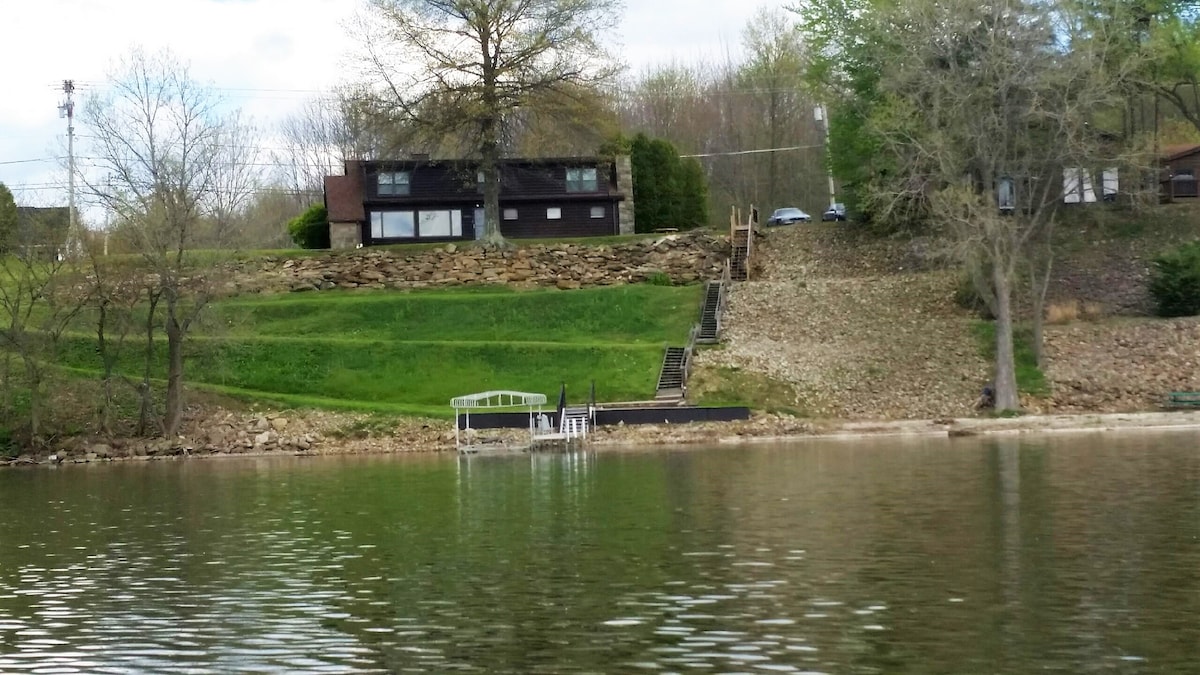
423 200
1181 164
41 232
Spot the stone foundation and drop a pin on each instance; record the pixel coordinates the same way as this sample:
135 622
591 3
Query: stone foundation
345 235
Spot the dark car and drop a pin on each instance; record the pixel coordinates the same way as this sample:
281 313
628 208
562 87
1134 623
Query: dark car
834 212
788 216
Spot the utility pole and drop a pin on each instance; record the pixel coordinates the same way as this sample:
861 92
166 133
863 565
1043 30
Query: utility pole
822 116
67 109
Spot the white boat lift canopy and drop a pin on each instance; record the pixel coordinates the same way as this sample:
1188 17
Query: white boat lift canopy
495 401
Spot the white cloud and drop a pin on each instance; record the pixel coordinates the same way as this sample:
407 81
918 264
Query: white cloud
266 56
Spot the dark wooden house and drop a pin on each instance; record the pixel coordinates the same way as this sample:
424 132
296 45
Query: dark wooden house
422 200
1181 167
41 232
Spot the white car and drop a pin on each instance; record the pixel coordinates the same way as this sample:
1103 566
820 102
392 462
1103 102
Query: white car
788 216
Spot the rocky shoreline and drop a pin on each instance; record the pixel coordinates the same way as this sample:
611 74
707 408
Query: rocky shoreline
314 433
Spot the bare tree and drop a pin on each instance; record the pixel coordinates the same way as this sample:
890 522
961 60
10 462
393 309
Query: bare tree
168 160
464 66
987 107
318 138
37 300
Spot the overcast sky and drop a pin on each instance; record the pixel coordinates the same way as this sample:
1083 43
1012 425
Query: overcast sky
266 56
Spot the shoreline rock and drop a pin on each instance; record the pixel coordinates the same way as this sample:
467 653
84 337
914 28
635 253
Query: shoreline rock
438 438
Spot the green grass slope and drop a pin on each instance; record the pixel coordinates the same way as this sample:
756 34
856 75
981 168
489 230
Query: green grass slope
414 351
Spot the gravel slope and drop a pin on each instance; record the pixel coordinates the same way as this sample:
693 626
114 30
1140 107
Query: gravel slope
865 328
852 326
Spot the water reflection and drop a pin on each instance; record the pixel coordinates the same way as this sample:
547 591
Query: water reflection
1071 554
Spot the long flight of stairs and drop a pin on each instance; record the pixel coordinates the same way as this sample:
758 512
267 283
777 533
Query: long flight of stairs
710 323
739 258
670 378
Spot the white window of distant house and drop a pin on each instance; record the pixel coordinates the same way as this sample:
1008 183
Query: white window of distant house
393 183
597 212
391 224
510 214
582 180
553 213
440 224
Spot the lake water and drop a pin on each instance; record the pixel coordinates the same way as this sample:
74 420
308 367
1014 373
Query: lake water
1072 554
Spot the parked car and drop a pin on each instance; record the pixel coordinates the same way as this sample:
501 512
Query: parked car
834 212
788 216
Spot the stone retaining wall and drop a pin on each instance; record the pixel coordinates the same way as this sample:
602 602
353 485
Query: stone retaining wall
683 258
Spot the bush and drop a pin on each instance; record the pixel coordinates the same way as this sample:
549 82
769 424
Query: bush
1175 281
660 279
311 228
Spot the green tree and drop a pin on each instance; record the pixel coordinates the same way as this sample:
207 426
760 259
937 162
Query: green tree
311 228
693 207
667 190
8 219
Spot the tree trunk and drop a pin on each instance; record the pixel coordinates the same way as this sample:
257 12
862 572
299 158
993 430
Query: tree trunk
33 374
145 391
1005 384
1040 282
174 411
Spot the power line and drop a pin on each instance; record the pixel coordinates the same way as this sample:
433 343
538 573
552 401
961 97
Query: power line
755 152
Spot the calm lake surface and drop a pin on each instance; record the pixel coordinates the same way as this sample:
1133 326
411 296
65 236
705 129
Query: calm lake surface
1072 554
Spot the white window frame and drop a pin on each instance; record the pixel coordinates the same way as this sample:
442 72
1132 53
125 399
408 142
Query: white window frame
509 214
583 179
598 212
393 183
450 226
554 213
380 222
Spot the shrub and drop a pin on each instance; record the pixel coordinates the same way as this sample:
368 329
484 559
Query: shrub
1062 312
311 228
659 279
1175 281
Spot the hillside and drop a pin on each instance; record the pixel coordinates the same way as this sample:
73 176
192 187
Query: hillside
854 327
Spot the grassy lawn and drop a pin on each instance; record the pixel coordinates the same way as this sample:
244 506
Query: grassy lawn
413 351
1030 379
641 314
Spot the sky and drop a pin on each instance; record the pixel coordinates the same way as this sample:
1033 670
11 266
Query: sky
265 56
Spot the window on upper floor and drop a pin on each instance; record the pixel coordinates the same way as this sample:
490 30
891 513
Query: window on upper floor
392 183
582 180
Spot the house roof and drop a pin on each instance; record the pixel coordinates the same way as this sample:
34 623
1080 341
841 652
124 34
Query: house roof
1172 152
471 163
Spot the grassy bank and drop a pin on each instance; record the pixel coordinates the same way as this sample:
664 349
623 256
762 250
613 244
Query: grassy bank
414 351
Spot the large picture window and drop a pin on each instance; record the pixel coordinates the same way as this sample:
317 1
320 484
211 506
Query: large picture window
393 183
582 180
390 224
441 224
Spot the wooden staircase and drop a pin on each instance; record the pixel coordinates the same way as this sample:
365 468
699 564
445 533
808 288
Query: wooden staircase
671 376
739 257
710 313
